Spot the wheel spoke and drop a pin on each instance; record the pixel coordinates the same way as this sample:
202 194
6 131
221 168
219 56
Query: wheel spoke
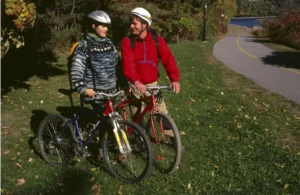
55 141
132 166
167 148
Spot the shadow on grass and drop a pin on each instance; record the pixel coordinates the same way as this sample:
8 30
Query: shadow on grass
36 118
21 64
71 181
86 116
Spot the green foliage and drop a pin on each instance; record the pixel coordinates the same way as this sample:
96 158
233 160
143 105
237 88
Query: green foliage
265 8
219 15
18 16
64 21
284 28
188 27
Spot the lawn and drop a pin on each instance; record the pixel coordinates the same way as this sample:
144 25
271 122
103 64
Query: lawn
239 138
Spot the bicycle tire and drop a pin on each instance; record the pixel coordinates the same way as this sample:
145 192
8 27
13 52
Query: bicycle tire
167 153
55 140
140 157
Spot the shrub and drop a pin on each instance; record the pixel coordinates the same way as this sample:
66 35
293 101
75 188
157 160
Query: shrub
284 28
257 31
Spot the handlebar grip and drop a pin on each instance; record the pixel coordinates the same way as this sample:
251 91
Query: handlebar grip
100 95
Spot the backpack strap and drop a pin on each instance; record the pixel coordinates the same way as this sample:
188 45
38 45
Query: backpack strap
155 38
154 35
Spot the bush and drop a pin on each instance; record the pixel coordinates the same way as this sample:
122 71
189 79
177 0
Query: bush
257 31
284 28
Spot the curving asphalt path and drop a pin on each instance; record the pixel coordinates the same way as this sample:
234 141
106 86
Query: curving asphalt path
241 53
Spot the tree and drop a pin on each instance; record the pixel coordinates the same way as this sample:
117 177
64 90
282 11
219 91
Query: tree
17 16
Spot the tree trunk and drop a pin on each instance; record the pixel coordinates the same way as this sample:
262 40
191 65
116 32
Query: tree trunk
73 7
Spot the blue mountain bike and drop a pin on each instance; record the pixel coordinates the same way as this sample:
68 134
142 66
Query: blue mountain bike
126 147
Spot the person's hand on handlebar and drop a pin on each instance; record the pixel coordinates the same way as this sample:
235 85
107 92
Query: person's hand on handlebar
176 87
140 86
89 93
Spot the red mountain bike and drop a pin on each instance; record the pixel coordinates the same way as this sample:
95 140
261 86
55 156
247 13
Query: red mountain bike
161 129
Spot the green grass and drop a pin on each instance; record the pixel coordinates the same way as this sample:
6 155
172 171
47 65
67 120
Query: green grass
239 138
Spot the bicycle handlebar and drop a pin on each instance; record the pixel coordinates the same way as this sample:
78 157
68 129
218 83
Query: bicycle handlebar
100 95
167 87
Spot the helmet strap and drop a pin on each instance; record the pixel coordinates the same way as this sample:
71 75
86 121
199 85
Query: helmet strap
142 31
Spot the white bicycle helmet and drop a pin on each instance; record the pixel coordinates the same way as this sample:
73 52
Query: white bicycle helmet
142 13
100 16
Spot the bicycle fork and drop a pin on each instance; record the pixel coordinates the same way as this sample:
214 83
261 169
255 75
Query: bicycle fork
125 147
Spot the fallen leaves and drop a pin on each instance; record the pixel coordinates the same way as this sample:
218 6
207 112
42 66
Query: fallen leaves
18 165
220 107
30 160
189 186
193 100
20 181
159 157
192 168
120 189
96 187
216 167
190 102
7 152
236 123
92 179
5 132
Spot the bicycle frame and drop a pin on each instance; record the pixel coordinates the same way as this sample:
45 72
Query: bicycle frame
149 108
109 109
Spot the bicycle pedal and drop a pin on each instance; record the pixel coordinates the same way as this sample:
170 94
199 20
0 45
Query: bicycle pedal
83 152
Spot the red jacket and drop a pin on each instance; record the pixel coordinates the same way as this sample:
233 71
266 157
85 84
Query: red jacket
141 63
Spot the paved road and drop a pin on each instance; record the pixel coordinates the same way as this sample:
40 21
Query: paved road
242 54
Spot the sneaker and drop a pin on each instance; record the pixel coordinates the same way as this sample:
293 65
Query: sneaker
83 152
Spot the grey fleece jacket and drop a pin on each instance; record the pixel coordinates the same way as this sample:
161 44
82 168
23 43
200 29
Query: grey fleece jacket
94 64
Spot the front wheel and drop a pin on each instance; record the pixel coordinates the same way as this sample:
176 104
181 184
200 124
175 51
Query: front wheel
134 165
166 143
56 141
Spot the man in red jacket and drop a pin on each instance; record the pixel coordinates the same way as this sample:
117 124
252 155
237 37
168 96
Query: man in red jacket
140 64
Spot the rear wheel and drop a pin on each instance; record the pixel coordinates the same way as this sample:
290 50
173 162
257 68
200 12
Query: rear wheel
56 141
166 147
133 166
